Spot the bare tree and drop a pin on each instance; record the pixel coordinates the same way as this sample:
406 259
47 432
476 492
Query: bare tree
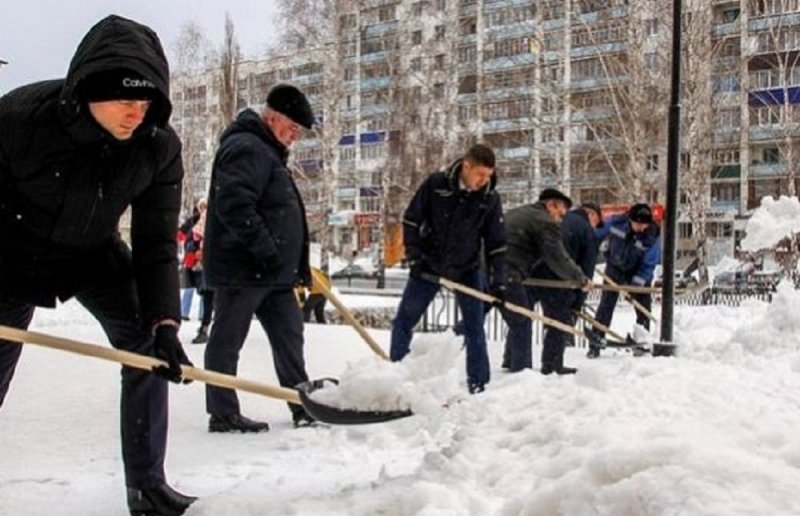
193 55
229 58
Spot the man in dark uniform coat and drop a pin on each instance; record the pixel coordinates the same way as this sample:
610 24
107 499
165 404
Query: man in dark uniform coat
256 250
75 153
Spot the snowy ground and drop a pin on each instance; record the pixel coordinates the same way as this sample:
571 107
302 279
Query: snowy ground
712 432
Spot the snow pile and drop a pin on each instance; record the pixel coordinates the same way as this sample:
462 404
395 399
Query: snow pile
771 222
776 331
425 380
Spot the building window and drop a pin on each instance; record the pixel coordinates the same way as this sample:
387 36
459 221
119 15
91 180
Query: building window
416 37
468 84
416 9
438 62
651 164
439 32
386 13
416 64
651 60
440 5
438 90
651 27
347 153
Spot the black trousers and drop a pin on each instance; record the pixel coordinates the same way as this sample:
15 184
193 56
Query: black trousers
281 318
314 303
608 301
143 403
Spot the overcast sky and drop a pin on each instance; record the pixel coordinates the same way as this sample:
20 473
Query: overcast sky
38 37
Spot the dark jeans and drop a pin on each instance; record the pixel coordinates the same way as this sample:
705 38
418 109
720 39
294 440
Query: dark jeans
314 303
208 307
608 302
417 295
518 352
556 304
143 405
279 315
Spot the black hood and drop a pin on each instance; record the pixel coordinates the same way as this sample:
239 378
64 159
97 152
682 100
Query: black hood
114 43
248 121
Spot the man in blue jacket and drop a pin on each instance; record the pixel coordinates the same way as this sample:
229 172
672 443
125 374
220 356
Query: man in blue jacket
634 250
453 213
256 250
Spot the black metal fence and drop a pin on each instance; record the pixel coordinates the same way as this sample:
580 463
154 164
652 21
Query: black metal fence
443 313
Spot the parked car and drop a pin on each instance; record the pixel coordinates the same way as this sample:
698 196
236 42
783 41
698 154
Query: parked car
354 271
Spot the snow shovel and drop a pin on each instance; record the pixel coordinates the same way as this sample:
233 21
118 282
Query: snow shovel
319 282
619 341
318 411
486 298
629 298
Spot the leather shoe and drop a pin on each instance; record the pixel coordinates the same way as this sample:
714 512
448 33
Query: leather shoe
561 370
236 423
158 500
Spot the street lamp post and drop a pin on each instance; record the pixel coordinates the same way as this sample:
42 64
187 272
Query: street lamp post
673 159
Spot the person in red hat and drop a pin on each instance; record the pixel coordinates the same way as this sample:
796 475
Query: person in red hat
256 250
75 153
634 250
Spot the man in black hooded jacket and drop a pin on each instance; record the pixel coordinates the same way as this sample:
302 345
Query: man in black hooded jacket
75 153
256 250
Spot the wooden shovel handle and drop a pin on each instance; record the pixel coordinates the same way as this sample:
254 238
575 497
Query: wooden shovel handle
452 285
147 363
320 283
628 297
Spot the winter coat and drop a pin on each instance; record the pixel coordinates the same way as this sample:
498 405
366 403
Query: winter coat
633 256
65 182
445 225
535 239
254 212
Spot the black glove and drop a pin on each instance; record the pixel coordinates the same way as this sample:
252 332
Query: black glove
416 268
498 292
168 348
273 263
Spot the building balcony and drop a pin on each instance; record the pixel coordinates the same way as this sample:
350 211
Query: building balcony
505 63
725 205
375 83
767 170
514 152
515 30
381 29
726 29
605 14
595 50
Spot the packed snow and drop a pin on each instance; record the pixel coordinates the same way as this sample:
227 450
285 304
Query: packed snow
710 432
771 222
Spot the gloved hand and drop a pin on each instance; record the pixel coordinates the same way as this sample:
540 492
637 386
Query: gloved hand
498 292
273 263
167 347
416 268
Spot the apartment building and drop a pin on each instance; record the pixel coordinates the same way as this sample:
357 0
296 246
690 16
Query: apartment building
570 93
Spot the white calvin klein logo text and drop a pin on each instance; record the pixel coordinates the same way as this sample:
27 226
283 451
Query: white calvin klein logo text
137 83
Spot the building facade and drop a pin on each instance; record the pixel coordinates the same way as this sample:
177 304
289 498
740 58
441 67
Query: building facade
570 93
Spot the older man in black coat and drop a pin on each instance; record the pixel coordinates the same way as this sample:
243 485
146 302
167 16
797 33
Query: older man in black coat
256 250
74 155
535 240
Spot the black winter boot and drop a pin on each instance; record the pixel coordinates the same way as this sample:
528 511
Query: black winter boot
158 500
202 336
236 423
301 418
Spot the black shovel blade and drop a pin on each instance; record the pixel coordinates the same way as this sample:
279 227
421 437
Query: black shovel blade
338 416
664 349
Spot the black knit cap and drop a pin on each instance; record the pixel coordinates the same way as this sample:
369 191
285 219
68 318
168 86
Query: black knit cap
641 213
120 84
288 100
551 194
595 208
